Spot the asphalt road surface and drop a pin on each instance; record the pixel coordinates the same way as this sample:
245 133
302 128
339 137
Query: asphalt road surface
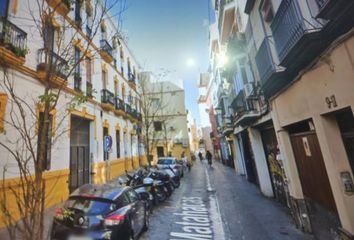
215 203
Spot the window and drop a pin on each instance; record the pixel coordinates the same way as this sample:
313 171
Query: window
47 139
155 102
78 19
104 79
4 5
133 196
77 60
267 10
122 201
118 143
158 126
105 153
88 69
160 151
48 36
89 23
90 206
116 88
77 73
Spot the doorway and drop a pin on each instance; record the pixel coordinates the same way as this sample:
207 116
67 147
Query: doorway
314 181
249 159
160 152
345 121
79 152
275 166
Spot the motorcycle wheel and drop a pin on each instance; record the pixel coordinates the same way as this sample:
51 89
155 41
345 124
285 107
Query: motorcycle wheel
161 196
176 184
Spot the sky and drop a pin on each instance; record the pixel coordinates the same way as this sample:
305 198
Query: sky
170 36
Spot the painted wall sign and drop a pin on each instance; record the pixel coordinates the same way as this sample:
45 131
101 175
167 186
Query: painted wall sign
331 101
3 102
306 147
347 182
108 143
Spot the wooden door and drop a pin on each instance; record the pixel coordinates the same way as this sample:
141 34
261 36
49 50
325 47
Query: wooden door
312 170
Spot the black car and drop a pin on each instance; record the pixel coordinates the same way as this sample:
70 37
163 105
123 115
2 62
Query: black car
106 211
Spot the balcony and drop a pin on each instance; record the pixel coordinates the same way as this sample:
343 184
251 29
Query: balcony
77 82
139 116
332 9
131 80
245 110
267 62
13 42
89 90
296 38
107 100
51 63
106 51
119 104
128 109
227 125
119 107
227 19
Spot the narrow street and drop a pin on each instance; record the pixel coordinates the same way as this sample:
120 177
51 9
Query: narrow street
235 209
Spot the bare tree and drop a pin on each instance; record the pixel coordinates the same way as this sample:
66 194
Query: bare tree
154 106
31 147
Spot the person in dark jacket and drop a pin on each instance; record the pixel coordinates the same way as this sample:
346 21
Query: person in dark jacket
200 155
209 157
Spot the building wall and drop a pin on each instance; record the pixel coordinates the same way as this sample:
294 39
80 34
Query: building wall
27 85
174 116
331 76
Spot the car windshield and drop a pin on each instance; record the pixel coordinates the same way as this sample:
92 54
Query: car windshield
165 161
90 206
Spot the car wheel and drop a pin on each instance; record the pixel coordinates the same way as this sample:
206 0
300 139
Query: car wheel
146 221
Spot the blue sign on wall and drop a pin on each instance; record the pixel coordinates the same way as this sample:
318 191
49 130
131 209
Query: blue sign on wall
108 143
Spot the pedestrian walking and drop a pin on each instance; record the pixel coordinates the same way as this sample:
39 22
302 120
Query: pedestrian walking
209 157
200 155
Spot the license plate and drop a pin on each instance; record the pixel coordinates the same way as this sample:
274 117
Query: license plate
79 238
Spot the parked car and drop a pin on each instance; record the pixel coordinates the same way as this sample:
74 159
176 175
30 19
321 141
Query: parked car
107 211
169 162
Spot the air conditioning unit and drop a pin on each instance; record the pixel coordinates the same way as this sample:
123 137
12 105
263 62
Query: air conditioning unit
249 87
172 129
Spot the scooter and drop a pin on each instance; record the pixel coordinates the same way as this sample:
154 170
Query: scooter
166 185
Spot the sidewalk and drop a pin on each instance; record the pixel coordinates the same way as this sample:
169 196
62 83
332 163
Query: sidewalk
246 213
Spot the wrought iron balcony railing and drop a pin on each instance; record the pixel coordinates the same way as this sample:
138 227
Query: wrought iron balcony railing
13 38
139 116
131 77
265 61
128 108
106 47
107 97
289 26
77 82
119 104
50 61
